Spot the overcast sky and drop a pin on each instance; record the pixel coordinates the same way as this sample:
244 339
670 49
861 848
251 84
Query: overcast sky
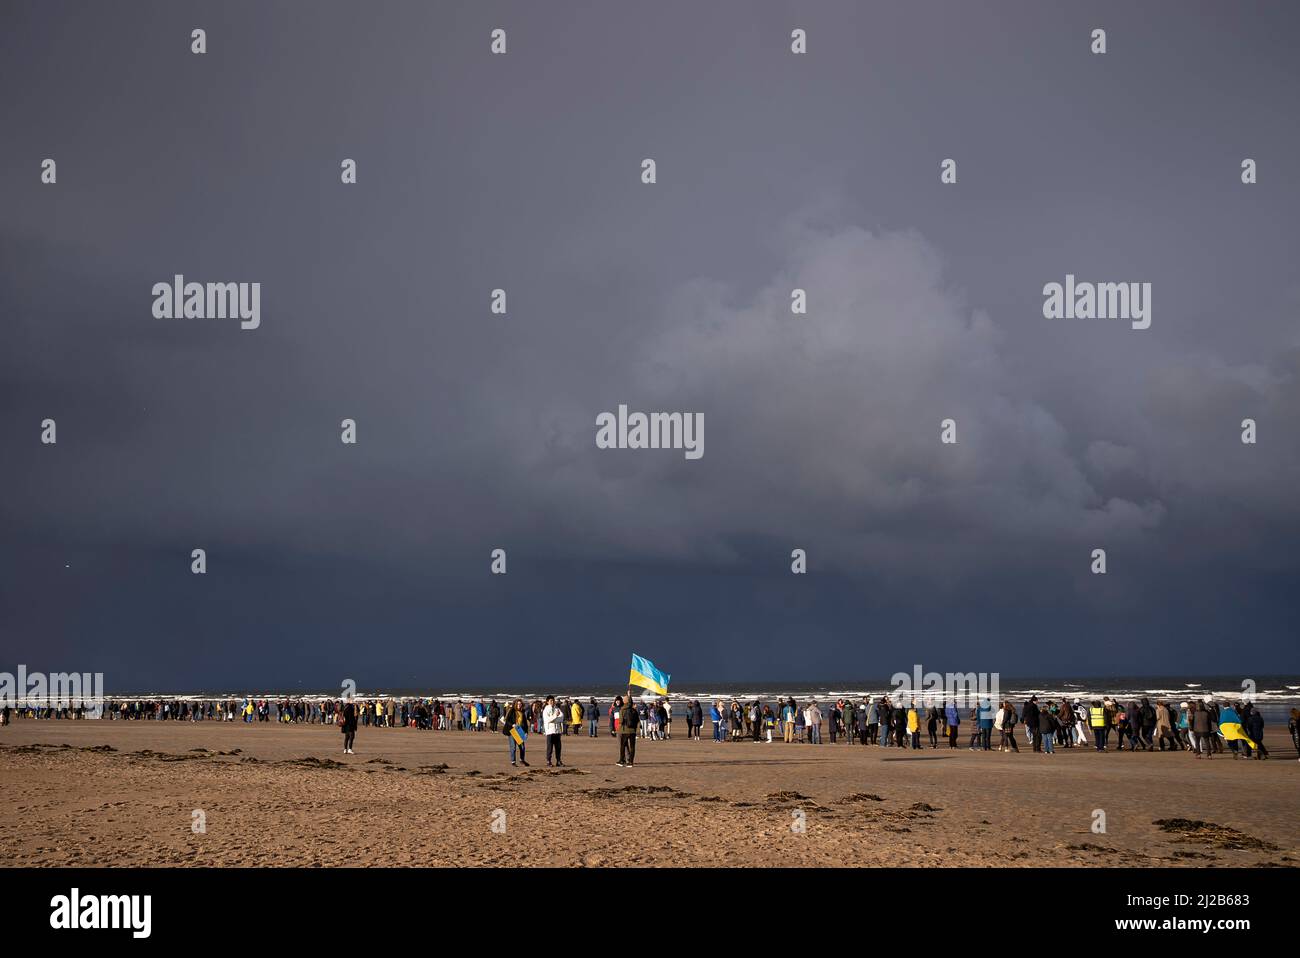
476 431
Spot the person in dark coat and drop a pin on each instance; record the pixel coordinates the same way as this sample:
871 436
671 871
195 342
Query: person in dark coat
1253 722
1030 715
349 726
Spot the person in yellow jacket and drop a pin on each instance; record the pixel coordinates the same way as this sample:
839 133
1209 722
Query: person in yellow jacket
1097 721
914 725
575 715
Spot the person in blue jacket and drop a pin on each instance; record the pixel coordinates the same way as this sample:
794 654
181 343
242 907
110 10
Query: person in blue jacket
986 725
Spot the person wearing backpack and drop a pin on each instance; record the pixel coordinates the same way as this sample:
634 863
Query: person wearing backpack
628 720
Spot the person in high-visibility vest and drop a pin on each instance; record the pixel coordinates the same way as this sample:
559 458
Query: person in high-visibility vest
1097 720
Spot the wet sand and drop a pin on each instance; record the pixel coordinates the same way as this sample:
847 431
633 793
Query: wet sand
286 795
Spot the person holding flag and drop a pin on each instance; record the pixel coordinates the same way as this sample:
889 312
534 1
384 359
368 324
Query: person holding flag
514 725
1231 729
643 675
628 720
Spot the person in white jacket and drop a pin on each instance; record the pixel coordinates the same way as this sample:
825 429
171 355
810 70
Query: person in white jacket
553 729
1080 722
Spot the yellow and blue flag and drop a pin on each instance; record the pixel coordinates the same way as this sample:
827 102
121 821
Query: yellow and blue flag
519 734
645 675
1230 727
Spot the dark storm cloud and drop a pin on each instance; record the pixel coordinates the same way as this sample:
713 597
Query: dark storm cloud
477 431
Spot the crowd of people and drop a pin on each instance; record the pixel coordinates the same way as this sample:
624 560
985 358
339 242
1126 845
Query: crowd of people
1137 725
1191 726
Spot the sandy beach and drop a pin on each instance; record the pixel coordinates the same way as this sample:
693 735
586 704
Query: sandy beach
102 793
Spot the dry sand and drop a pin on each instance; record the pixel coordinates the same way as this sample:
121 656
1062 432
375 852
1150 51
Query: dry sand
288 796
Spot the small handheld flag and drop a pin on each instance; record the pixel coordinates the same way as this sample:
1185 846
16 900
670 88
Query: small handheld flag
519 734
645 675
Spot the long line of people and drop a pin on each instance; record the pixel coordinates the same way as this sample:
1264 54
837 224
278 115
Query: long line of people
1137 725
889 722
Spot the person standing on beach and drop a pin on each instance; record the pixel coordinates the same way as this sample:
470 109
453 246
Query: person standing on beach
1080 723
628 720
1030 714
953 719
1253 721
1005 724
1097 720
1147 725
1065 724
349 727
1164 725
1200 726
1046 735
553 729
1124 729
515 716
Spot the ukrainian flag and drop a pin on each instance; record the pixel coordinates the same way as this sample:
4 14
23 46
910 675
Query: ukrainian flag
519 734
645 675
1230 727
